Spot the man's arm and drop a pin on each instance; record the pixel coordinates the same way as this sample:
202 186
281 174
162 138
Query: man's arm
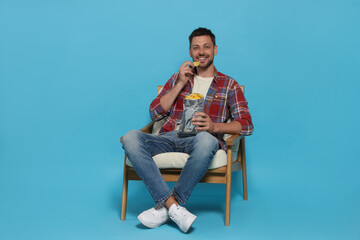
239 109
157 112
162 104
242 123
185 73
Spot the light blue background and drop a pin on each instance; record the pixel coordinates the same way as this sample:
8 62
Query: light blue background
77 75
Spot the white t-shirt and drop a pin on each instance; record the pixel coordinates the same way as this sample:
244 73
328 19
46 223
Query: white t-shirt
202 85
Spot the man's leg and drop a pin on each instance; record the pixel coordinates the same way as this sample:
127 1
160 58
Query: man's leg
139 148
201 149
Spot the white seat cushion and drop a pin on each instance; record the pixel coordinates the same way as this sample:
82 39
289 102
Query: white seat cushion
178 160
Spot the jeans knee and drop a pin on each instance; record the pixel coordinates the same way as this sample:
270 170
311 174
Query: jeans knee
206 140
131 138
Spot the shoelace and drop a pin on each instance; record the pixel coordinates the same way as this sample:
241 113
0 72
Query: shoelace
180 212
155 211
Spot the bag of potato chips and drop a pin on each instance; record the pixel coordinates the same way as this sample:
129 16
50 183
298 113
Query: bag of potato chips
192 104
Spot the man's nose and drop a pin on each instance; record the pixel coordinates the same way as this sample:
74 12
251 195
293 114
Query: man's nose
201 51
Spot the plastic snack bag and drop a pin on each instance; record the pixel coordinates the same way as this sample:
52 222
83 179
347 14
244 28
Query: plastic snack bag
192 104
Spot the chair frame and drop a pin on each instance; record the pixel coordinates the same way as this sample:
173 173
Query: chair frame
220 175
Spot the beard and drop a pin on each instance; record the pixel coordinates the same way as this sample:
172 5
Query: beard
210 62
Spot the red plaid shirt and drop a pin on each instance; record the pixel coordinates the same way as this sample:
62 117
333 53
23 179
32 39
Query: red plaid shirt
224 100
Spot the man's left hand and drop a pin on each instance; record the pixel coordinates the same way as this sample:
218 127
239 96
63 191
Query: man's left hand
203 122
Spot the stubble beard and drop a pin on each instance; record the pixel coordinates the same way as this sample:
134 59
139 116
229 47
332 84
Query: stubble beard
207 65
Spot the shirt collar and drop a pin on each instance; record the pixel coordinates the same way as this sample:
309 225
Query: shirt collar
215 74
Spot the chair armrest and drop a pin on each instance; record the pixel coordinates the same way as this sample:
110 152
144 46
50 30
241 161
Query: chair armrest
147 129
233 140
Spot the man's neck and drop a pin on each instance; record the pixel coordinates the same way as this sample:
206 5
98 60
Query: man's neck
206 72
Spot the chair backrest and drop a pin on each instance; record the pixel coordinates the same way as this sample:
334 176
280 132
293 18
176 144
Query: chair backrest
157 125
159 88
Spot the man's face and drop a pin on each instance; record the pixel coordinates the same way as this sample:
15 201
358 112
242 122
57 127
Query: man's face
203 50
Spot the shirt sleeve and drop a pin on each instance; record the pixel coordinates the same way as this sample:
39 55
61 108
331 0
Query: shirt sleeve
157 112
239 109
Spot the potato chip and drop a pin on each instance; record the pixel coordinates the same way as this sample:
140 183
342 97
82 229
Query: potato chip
194 96
196 64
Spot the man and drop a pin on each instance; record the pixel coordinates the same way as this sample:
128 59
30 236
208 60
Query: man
224 100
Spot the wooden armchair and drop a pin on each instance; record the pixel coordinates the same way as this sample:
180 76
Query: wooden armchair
235 161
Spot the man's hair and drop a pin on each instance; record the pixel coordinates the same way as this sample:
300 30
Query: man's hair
202 32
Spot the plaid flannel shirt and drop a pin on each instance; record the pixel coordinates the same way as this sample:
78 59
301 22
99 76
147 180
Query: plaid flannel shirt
224 100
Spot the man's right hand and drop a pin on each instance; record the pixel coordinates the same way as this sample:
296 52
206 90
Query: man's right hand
185 72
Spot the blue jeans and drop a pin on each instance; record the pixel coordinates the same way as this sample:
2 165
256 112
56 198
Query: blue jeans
140 147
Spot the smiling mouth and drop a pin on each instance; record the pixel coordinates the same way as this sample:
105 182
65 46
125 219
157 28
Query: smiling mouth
202 59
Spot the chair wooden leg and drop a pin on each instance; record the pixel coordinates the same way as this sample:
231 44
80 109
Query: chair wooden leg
243 166
227 207
124 192
228 189
244 180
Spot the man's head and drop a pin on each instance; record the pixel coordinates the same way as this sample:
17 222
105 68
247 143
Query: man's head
202 47
202 32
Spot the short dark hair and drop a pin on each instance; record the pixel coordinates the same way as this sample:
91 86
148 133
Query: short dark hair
202 32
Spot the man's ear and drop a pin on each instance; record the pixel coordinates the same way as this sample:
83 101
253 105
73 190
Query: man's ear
215 50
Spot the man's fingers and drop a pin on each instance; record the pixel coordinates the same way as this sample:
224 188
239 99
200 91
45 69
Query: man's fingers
190 64
198 123
201 128
187 63
197 119
201 114
188 71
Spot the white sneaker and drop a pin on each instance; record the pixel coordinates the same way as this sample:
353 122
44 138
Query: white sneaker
182 217
154 217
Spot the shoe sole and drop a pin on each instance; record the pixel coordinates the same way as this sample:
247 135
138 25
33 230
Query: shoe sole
150 225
